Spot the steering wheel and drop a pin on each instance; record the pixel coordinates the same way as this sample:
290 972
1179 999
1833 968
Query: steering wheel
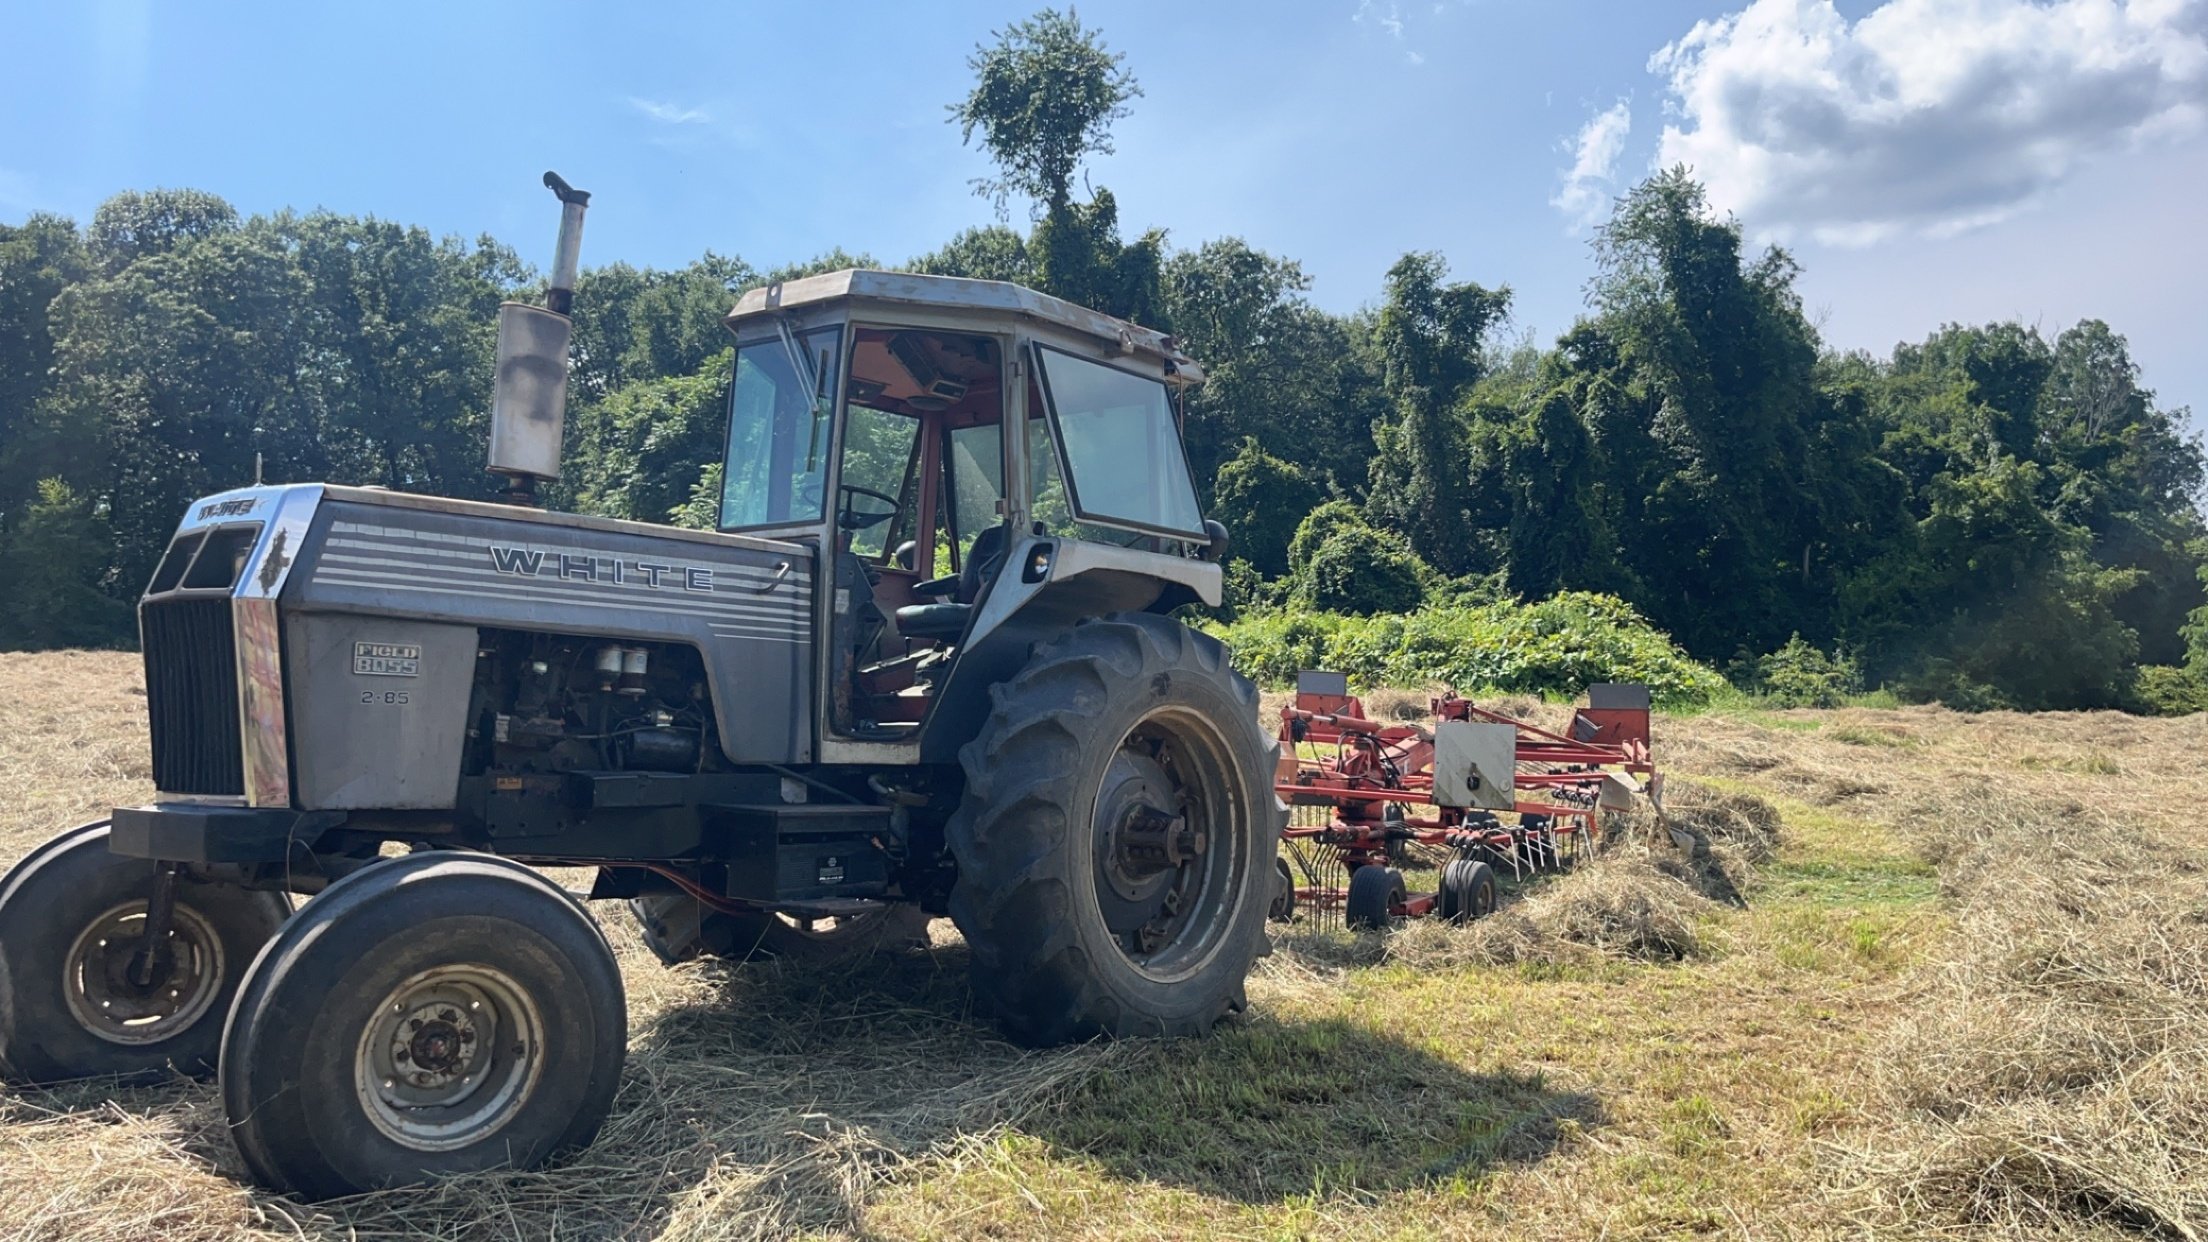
849 518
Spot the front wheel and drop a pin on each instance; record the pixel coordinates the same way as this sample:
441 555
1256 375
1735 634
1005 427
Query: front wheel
1116 839
434 1014
82 992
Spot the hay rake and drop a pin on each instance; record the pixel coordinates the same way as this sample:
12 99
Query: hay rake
1472 795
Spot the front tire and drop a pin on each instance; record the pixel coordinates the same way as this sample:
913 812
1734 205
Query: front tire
435 1014
78 998
1116 838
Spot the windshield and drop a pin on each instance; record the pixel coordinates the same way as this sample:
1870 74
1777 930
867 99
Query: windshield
778 429
1122 450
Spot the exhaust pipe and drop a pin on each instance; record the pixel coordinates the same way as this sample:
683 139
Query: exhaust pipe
529 394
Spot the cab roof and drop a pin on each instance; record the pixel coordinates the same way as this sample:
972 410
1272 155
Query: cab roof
956 293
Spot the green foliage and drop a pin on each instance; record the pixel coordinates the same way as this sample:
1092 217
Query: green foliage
2161 690
1430 341
136 224
55 555
1799 675
1276 368
991 253
1558 646
1261 500
639 453
1360 569
1045 95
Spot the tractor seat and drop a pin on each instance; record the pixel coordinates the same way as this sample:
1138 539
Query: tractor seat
946 622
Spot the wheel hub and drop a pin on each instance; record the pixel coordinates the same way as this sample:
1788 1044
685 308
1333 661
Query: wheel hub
1151 848
449 1057
129 992
435 1044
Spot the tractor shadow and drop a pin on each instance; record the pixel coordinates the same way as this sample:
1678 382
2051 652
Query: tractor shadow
772 1101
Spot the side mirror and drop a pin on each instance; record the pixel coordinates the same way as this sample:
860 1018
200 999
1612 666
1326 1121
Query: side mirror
1216 550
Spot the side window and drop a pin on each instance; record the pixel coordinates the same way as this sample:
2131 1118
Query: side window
1120 447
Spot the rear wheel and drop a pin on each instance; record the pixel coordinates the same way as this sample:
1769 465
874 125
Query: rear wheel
679 927
1467 890
82 992
1116 838
1374 892
1283 909
434 1014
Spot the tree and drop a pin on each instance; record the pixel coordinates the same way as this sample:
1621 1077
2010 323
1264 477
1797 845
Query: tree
1544 462
1078 256
56 555
1045 96
1430 338
403 328
1357 568
38 260
1276 368
644 449
1260 499
1710 352
993 252
136 224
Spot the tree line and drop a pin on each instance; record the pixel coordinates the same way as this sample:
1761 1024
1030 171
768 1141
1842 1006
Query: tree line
1995 515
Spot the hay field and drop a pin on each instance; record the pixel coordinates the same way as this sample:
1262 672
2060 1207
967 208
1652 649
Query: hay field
1926 975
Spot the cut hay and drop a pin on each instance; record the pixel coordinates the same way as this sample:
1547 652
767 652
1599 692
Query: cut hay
2050 1074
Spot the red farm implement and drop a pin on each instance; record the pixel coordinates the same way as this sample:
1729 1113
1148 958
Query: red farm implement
1472 794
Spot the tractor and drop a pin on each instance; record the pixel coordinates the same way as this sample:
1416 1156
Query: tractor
927 665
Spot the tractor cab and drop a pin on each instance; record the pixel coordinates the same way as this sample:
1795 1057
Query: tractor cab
961 453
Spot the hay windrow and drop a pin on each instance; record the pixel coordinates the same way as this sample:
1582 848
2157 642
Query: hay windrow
2050 1072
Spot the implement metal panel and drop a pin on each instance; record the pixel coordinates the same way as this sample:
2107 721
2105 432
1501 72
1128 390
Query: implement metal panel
1618 696
1476 765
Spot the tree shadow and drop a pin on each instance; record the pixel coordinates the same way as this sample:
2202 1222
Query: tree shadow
773 1101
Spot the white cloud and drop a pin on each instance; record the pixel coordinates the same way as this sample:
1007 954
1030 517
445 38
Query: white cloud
1591 180
1925 116
670 113
1388 17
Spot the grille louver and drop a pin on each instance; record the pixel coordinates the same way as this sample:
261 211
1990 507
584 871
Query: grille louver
192 695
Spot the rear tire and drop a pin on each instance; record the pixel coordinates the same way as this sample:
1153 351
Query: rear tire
679 928
1283 909
1374 892
1467 890
434 1014
70 1006
1116 837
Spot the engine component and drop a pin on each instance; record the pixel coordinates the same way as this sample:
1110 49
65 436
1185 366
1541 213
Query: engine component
634 663
659 750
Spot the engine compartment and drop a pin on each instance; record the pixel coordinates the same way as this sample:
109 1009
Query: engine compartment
546 703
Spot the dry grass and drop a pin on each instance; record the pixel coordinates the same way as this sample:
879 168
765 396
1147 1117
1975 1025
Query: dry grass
1913 973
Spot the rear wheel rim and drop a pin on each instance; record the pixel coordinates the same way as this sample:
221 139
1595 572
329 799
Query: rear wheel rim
449 1057
1171 845
101 986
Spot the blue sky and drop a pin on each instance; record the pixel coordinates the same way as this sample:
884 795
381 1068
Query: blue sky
1927 160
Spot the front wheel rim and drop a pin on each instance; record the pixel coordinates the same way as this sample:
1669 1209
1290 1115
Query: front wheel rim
449 1057
99 975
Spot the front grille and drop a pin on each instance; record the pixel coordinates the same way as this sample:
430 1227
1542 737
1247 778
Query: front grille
192 695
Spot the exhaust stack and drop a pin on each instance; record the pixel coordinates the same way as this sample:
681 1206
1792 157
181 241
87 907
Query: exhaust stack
529 395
